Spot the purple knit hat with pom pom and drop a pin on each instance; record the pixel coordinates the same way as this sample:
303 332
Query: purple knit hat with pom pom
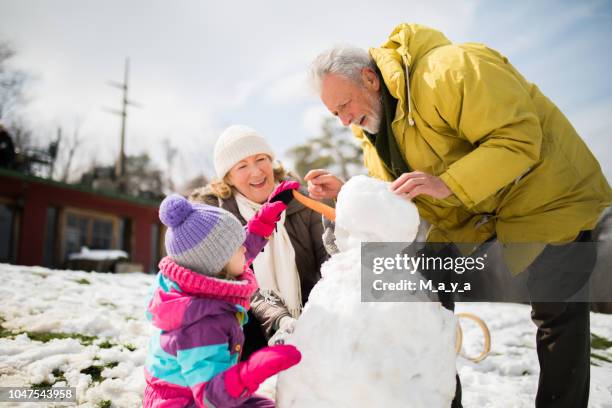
200 237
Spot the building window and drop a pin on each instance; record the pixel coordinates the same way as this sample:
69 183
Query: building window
125 235
90 229
102 235
8 233
50 237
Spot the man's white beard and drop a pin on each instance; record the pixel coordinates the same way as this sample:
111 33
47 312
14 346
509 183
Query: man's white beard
375 118
375 126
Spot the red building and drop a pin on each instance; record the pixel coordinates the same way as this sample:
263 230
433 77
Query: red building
42 221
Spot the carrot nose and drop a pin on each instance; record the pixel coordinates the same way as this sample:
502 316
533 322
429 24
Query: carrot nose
323 209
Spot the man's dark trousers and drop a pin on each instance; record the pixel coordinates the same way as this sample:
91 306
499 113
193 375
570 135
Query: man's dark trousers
563 336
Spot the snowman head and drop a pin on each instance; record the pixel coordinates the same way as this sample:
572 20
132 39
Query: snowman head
367 211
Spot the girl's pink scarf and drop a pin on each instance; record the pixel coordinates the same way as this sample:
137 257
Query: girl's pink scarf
236 292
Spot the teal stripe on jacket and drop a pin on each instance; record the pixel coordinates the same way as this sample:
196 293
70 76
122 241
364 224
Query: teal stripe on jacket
190 367
201 364
162 365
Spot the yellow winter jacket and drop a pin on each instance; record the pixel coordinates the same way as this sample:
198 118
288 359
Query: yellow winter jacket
516 166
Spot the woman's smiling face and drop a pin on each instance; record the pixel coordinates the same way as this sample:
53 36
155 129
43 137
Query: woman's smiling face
253 177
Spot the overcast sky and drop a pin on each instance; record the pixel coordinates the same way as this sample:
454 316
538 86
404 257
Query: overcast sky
199 66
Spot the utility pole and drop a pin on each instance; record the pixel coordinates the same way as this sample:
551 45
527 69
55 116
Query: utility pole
120 165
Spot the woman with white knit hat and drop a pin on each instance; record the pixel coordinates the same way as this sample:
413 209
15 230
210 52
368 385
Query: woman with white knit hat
290 265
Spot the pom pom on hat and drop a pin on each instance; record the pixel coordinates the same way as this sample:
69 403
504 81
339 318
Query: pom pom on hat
174 210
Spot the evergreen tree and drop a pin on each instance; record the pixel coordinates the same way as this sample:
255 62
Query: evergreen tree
335 149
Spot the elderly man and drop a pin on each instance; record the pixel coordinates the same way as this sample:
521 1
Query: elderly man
483 154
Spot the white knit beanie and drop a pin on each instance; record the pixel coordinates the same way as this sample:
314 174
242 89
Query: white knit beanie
238 142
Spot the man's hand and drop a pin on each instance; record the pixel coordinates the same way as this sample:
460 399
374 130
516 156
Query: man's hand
322 184
417 183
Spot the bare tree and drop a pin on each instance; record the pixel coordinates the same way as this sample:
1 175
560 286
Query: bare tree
68 148
11 82
21 132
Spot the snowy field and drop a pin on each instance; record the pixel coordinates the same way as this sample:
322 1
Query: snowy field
87 330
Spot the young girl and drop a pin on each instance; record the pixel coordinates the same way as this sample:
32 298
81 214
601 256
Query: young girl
199 306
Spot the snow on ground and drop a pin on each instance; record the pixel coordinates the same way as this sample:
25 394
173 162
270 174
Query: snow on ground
101 334
85 330
508 377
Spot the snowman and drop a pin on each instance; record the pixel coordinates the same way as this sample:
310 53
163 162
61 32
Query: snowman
369 354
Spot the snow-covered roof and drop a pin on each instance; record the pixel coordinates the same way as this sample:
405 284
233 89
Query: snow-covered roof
98 254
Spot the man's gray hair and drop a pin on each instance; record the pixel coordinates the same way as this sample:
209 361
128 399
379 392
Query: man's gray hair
343 60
